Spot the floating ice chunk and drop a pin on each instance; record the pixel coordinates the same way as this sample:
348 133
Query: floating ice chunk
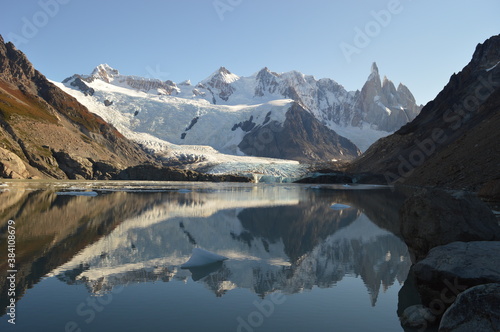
338 206
200 257
77 193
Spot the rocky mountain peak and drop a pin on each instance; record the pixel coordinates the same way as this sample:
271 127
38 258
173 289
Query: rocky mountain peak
383 106
487 54
221 75
388 87
266 82
14 66
223 70
221 80
105 72
374 72
264 72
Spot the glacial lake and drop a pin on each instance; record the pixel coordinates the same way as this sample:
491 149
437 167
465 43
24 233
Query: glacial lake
107 256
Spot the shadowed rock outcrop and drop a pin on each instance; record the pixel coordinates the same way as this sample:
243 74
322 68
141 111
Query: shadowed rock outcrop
432 218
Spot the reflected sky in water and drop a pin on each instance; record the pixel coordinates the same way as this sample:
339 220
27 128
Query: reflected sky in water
106 256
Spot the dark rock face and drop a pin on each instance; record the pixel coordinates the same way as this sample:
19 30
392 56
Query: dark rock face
432 218
75 167
80 84
452 268
476 309
158 173
193 122
453 141
246 126
302 137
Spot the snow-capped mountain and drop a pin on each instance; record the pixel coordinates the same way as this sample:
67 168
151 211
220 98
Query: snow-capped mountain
287 116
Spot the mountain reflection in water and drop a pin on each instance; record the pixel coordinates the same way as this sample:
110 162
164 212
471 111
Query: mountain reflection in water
277 238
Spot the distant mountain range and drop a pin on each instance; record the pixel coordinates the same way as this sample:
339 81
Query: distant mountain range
286 116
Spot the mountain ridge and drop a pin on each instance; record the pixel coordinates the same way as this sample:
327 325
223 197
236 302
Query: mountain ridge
327 101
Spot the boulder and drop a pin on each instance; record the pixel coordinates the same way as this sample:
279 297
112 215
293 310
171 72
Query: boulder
417 316
434 217
476 309
11 166
450 269
104 170
75 167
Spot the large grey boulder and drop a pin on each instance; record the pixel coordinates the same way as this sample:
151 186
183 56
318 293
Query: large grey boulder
434 217
476 309
11 166
450 269
417 316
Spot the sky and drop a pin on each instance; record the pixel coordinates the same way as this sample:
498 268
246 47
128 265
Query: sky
419 43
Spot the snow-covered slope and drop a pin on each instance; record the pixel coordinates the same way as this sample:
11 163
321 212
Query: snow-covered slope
225 110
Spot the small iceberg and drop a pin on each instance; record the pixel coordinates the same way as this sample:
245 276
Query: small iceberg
338 206
201 257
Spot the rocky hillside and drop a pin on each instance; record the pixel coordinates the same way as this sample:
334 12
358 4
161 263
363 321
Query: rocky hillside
44 132
453 142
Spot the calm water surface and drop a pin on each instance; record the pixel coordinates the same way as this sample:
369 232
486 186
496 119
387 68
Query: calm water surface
102 256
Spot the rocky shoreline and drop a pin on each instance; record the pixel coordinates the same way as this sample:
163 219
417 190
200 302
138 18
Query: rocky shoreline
454 240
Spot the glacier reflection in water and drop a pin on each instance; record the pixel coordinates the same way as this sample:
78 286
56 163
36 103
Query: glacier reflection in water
280 239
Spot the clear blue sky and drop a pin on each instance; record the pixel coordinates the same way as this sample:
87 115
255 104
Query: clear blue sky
421 44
